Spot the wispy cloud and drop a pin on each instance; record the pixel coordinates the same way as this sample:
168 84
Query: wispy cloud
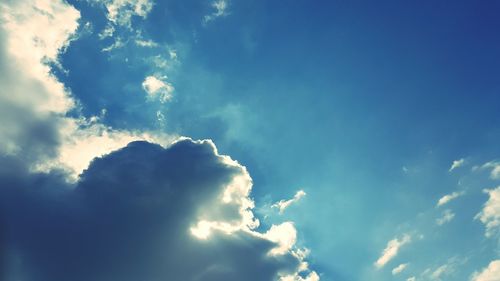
391 250
220 9
457 164
282 205
400 268
449 197
446 217
494 167
120 12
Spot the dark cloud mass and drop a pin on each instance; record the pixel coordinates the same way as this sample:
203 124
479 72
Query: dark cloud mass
129 217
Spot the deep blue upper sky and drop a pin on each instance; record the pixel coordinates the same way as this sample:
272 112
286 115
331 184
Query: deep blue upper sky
363 104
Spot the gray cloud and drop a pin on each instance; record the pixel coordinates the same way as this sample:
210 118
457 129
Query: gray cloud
129 218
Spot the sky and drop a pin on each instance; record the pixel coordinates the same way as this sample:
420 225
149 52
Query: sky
297 140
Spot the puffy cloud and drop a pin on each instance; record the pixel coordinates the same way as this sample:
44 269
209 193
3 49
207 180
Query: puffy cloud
32 100
446 217
34 104
490 273
157 88
456 164
490 215
413 278
132 214
449 197
130 217
391 250
282 205
398 269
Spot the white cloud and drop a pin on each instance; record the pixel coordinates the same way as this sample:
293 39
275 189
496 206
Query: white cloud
285 235
449 197
120 12
445 271
33 103
457 164
146 43
413 278
490 273
441 271
157 88
490 214
82 142
391 250
220 9
38 31
494 168
35 32
119 43
282 205
447 216
398 269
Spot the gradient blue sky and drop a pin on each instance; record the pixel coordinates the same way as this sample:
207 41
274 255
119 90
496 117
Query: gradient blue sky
363 105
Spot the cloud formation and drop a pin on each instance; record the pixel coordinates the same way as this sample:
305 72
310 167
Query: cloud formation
142 212
282 205
400 268
392 250
449 197
35 122
157 88
456 164
490 214
220 9
446 217
494 168
130 217
490 273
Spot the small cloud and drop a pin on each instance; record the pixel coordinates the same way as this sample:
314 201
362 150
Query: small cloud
490 215
494 166
398 269
412 279
119 43
220 10
146 43
457 164
157 88
391 250
282 205
449 197
108 31
490 273
120 12
447 216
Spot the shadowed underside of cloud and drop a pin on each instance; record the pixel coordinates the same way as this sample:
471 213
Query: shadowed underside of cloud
130 218
142 212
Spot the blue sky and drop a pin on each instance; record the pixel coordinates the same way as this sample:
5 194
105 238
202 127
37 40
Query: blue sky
384 114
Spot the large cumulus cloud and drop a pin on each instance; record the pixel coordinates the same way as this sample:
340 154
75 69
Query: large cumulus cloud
141 213
133 216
